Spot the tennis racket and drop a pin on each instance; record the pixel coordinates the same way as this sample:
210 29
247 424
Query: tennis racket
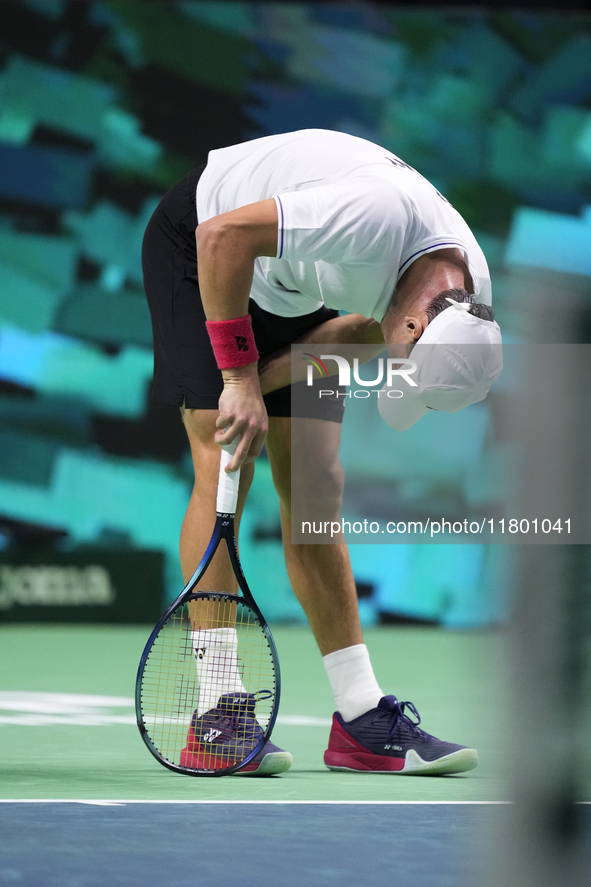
207 689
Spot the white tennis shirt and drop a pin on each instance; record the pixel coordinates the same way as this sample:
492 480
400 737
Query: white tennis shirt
352 218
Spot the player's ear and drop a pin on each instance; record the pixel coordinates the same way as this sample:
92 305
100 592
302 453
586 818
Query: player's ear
414 327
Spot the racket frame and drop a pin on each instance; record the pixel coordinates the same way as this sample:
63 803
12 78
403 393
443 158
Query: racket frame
223 529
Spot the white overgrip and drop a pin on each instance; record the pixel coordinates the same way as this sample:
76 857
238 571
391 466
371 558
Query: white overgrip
228 483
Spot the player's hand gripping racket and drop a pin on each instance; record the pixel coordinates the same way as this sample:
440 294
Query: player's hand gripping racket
207 690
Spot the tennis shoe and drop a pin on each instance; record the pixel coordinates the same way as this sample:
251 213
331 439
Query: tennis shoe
226 734
387 739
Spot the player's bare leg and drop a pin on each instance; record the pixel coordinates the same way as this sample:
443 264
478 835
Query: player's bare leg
200 516
200 519
320 575
322 580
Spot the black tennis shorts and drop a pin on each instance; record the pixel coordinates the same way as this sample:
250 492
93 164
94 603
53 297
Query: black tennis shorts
185 370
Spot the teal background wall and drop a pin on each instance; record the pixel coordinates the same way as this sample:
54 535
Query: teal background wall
103 105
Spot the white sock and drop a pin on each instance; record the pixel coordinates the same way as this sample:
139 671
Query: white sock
352 680
216 658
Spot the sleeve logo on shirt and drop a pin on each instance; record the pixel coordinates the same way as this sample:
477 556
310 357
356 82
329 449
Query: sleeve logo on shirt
241 343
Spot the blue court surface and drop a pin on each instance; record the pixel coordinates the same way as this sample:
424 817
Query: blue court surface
83 844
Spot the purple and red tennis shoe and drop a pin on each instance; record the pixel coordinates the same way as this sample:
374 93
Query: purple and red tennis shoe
387 739
227 734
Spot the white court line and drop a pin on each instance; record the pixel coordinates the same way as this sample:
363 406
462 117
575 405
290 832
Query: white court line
258 802
109 803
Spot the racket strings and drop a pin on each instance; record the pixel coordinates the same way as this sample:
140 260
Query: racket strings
196 713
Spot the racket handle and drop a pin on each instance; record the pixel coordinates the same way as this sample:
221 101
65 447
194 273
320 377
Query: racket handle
228 483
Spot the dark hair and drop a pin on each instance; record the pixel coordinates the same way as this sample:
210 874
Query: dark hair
440 303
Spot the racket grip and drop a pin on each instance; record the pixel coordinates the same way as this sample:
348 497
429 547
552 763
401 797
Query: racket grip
228 483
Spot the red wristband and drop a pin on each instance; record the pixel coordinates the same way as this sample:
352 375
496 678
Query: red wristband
232 342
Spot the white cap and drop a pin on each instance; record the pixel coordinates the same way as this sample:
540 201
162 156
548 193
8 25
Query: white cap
457 358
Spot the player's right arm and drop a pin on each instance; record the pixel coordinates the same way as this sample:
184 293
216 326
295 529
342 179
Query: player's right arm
276 370
227 247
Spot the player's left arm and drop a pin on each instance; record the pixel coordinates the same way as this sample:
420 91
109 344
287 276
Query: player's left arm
227 248
275 371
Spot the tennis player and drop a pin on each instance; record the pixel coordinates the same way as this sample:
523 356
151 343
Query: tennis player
263 247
